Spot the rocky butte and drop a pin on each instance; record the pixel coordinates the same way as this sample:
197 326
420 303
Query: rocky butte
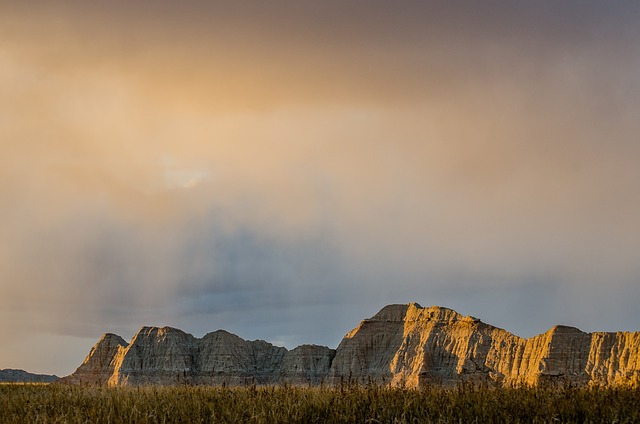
402 345
21 376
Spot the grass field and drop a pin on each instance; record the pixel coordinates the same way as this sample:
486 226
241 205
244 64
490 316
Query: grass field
282 404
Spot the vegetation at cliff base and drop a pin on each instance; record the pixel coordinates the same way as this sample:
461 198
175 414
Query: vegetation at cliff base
56 403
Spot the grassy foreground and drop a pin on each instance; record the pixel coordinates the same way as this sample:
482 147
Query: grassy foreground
282 404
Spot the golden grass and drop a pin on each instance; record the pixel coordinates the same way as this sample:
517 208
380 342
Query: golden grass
284 404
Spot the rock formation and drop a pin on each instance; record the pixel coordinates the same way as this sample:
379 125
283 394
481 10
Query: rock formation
414 346
21 376
402 345
100 363
307 365
170 356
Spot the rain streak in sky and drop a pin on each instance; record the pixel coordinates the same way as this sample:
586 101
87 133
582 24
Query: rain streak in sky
284 169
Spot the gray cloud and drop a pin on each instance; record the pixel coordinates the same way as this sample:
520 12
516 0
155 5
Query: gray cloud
284 171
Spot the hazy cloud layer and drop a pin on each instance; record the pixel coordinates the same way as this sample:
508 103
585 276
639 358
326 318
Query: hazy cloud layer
284 170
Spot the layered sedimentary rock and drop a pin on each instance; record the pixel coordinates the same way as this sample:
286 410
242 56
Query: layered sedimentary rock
307 364
164 355
224 358
21 376
100 363
403 345
169 356
414 346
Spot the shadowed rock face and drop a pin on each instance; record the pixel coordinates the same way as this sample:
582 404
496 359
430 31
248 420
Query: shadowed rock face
21 376
169 356
401 345
307 365
100 363
224 358
163 355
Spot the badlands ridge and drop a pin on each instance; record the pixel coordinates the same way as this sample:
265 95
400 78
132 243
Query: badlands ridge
402 345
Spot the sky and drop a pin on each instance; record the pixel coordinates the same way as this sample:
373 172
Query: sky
284 169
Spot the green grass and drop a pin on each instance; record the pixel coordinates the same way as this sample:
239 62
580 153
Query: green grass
282 404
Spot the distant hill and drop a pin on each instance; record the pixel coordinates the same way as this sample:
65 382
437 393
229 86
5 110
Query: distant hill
21 376
402 345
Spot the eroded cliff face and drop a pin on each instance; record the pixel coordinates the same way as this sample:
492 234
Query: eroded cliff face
410 345
155 355
413 346
100 363
224 358
402 345
168 356
306 365
614 358
21 376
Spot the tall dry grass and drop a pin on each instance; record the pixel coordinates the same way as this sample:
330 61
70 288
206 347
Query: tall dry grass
285 404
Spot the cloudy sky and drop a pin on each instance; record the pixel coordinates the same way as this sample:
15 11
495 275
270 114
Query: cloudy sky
284 169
